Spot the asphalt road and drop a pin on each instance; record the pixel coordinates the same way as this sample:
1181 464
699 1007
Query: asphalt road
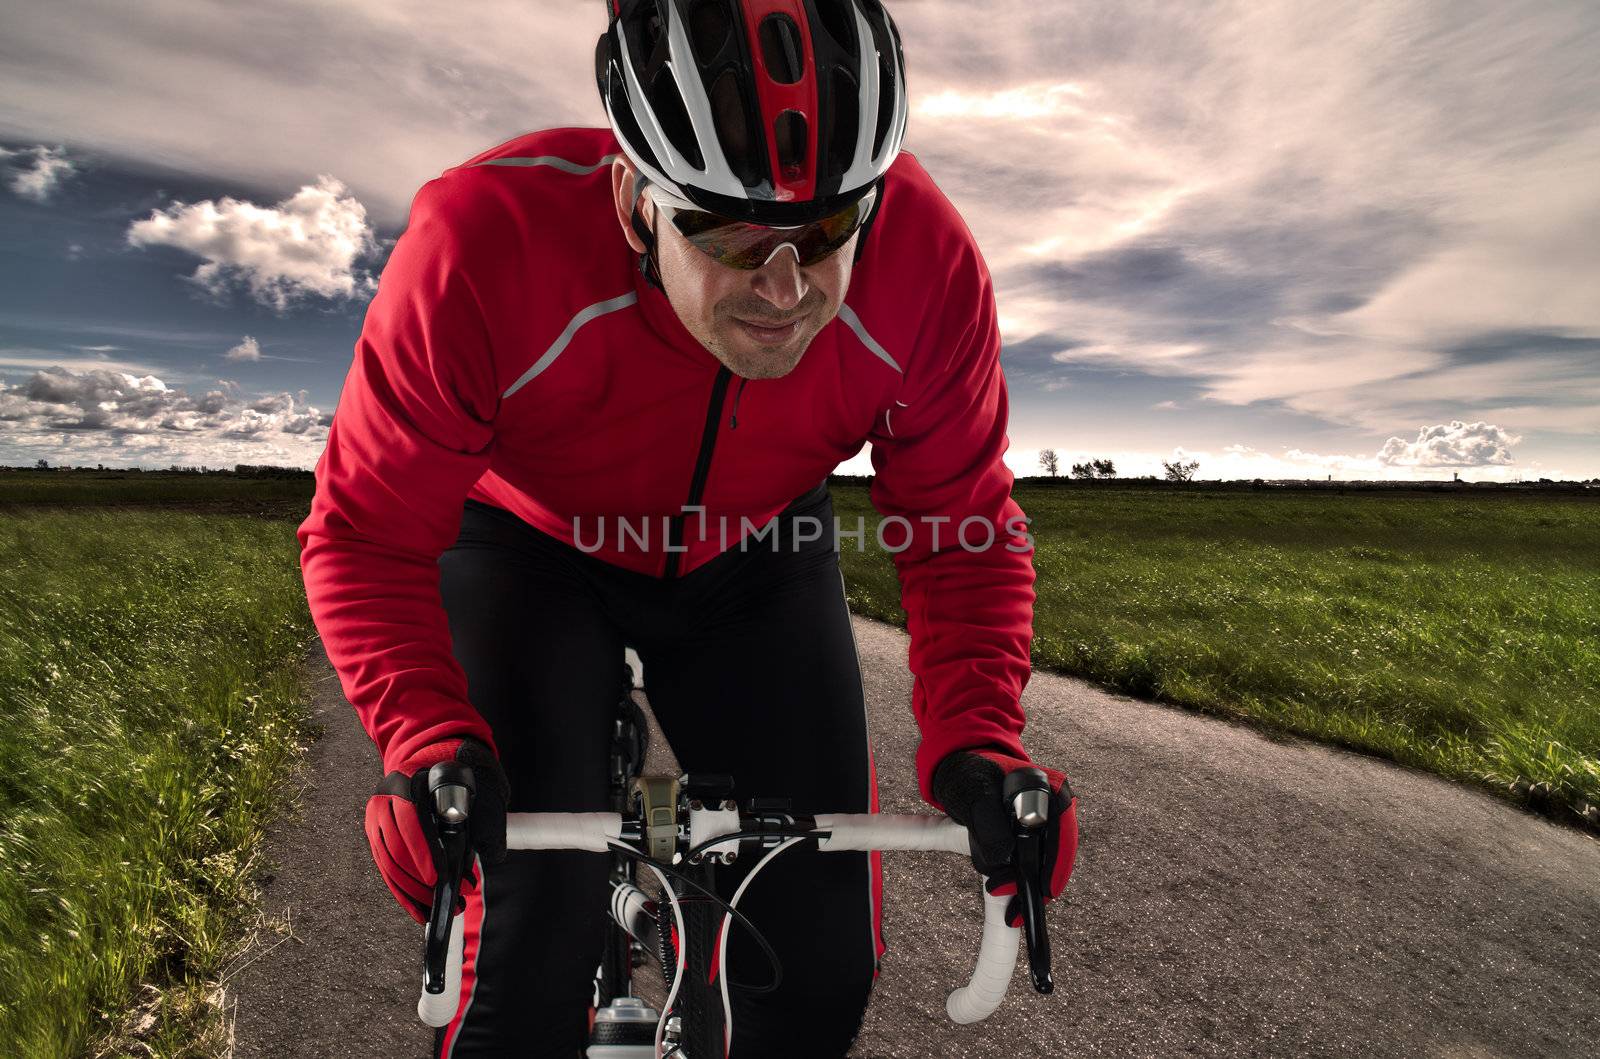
1235 895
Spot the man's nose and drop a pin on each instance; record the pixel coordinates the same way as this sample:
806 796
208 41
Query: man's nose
780 280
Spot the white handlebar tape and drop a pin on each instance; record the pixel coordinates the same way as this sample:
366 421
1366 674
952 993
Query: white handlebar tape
880 831
997 959
438 1010
587 831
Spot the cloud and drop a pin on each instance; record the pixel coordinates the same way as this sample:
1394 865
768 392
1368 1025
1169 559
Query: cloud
1456 444
1328 207
248 349
103 416
39 173
306 245
241 93
30 359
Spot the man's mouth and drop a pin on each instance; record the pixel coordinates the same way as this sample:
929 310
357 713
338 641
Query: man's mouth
768 333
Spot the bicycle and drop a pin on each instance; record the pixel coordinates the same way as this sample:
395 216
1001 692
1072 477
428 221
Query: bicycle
681 829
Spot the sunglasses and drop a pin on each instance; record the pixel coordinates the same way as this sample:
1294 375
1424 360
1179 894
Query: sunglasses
741 245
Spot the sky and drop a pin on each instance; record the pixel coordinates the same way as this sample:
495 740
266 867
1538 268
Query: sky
1283 240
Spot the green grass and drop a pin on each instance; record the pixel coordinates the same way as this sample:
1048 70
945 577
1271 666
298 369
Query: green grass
1455 634
84 488
149 708
150 713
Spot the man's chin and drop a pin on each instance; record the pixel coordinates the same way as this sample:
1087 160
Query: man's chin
751 360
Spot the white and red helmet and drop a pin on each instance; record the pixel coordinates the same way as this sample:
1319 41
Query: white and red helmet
775 112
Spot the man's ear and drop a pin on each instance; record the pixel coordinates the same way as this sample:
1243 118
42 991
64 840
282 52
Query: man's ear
622 178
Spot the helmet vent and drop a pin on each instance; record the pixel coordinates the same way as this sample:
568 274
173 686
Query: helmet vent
838 18
780 49
842 120
648 44
887 75
789 133
730 115
709 30
667 102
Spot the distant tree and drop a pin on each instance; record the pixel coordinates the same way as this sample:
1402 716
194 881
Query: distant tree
267 470
1094 469
42 465
1180 470
1050 462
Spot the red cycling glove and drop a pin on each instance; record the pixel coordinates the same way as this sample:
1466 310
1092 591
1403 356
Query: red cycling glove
969 786
399 834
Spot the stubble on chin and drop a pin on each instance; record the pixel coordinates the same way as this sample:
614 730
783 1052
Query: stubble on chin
762 363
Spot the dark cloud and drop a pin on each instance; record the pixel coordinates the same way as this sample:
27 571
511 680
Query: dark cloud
1174 294
273 403
1123 272
1036 353
213 402
1336 302
1502 345
36 172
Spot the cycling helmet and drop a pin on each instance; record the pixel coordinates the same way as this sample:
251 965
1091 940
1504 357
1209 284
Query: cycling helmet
773 112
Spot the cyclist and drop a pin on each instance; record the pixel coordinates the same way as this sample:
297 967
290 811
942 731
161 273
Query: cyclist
557 439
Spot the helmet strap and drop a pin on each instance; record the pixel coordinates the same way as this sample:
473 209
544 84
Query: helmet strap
647 260
866 226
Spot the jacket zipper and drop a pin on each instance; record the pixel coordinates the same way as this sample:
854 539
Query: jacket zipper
702 466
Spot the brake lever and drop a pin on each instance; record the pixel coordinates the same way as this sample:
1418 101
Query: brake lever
451 788
1027 791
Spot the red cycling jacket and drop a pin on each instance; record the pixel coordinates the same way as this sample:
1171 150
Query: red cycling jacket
514 354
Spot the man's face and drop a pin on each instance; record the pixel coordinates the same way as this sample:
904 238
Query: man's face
715 302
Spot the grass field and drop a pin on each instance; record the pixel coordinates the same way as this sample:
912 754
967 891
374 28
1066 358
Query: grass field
1456 634
150 712
150 705
276 497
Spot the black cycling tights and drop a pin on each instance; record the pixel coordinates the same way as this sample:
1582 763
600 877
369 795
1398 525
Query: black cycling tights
750 667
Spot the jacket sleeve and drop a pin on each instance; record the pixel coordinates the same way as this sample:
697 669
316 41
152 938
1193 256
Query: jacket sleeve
966 570
412 432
